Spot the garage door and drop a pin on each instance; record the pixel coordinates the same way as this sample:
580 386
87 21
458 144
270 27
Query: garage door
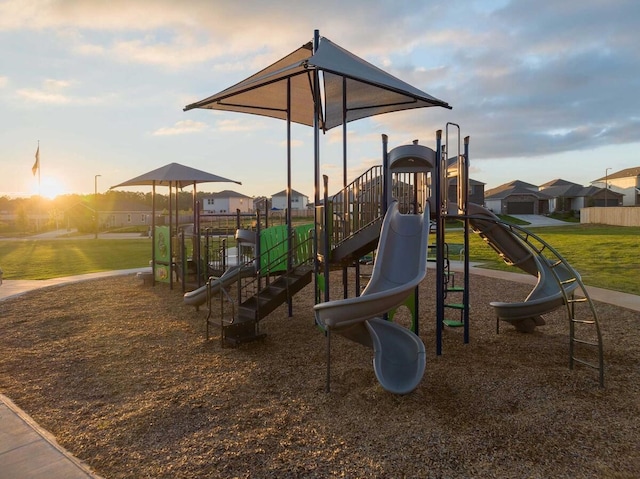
520 208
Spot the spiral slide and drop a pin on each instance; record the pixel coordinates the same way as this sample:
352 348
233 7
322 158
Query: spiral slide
547 295
400 265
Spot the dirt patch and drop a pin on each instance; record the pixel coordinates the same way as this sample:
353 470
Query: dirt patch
121 374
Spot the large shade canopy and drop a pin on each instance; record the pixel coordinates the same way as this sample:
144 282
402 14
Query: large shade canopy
174 174
353 89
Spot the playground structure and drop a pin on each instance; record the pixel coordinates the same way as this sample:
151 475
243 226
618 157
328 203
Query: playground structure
369 214
356 222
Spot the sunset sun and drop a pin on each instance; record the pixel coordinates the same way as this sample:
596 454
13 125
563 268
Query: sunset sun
49 187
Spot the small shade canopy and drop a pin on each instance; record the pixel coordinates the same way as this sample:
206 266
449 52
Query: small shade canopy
174 174
369 90
178 176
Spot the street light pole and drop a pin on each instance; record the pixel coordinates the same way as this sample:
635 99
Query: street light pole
606 186
95 203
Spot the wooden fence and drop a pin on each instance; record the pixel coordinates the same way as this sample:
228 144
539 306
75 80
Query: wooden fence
612 215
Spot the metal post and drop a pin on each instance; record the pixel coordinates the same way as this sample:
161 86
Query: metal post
95 203
606 186
439 244
465 293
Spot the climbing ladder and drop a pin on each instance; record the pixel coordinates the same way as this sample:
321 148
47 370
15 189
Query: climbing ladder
585 337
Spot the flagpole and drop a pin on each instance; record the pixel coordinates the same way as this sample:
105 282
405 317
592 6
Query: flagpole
39 190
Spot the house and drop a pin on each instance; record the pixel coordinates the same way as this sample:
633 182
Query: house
625 182
120 214
227 201
475 195
298 200
568 196
517 198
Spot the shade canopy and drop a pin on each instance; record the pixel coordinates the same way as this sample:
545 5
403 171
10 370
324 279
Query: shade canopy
348 81
175 174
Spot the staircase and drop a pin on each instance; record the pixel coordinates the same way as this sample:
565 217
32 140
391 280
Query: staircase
256 300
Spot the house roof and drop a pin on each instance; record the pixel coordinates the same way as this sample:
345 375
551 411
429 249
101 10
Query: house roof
567 189
516 190
557 182
520 185
454 181
293 193
109 205
228 194
626 173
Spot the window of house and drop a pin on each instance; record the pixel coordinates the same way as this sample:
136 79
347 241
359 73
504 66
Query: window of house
128 218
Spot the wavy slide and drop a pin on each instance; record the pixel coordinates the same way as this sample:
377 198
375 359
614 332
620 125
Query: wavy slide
400 265
198 297
546 296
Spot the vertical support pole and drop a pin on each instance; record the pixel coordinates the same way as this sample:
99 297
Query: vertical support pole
465 294
439 244
316 159
171 265
153 232
326 250
386 180
288 213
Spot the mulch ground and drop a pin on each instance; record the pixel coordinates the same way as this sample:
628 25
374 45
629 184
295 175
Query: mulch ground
121 374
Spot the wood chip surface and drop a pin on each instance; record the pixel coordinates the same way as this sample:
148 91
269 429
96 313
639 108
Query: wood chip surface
121 374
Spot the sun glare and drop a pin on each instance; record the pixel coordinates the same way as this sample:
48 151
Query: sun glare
49 187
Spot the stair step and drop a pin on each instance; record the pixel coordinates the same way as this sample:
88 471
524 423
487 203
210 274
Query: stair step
582 341
583 321
454 305
455 289
452 323
586 363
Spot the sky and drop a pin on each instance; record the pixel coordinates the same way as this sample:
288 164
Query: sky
545 89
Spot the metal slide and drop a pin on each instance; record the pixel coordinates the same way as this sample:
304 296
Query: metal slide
198 297
400 265
553 276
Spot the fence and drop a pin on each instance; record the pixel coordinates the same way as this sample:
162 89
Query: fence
613 215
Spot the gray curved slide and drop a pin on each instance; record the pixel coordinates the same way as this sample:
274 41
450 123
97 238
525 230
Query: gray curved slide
400 265
546 296
198 297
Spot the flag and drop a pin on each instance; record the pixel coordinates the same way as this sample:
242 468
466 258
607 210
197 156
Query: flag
36 165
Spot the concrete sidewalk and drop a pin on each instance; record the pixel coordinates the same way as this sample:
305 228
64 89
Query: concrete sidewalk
27 451
16 287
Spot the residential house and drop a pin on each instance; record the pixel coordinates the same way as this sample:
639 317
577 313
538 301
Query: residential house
298 200
517 198
121 214
227 201
475 194
568 196
625 182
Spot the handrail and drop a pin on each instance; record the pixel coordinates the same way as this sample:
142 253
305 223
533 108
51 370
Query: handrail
357 205
526 237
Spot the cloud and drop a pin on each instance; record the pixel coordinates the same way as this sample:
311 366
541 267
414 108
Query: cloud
4 81
181 127
55 92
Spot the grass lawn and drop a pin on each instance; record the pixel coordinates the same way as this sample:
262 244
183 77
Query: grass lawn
45 259
605 256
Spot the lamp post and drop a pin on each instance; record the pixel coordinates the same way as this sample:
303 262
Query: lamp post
95 203
606 186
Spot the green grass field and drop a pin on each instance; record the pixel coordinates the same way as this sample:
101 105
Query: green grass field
45 259
605 256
